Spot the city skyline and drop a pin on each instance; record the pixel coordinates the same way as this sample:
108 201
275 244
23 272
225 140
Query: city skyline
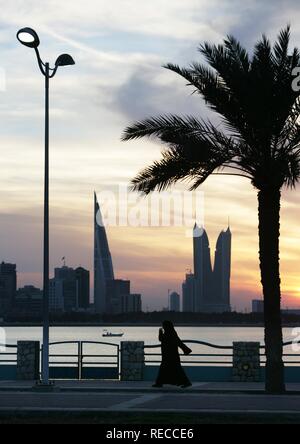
92 106
158 305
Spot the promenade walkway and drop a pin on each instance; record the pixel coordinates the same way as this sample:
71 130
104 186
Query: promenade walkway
145 386
96 397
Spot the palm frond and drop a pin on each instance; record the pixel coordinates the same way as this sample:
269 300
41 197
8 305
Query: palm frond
295 59
177 164
162 174
293 174
216 93
288 167
216 56
260 112
281 47
197 75
238 55
289 136
161 126
183 131
263 57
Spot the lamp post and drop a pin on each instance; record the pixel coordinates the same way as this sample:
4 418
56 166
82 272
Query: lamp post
28 37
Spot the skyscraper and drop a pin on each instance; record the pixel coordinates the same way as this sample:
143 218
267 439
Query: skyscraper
208 291
56 295
174 304
8 287
63 290
222 271
258 306
131 303
82 288
103 267
202 267
188 294
69 289
68 278
28 301
115 291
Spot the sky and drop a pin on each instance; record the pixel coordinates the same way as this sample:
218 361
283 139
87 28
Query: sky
119 48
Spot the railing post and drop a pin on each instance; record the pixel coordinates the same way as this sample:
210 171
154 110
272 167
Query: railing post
41 360
246 362
80 359
28 361
132 361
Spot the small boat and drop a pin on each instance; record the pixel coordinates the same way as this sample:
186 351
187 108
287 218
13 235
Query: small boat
108 334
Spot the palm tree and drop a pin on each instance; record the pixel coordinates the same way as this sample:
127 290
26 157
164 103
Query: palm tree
259 140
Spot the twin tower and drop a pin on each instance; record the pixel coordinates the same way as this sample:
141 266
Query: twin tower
208 289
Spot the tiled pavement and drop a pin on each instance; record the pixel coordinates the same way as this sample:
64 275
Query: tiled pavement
92 396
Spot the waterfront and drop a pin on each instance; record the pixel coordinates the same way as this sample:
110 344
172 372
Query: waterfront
68 338
215 335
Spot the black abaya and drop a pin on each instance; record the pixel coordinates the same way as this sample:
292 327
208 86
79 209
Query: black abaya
171 371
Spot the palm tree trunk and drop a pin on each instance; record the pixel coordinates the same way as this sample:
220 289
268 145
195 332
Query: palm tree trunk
269 234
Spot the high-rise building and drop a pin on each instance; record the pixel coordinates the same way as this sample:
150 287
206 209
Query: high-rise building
120 299
64 273
8 287
29 301
131 303
188 294
69 289
174 303
115 290
222 271
103 267
258 306
82 288
68 277
208 290
202 268
56 295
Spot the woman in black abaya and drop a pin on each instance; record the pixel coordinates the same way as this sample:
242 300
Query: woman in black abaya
171 371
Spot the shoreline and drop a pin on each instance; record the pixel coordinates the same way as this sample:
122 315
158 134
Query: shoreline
132 324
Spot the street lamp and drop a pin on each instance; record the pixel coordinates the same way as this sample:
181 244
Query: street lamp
28 37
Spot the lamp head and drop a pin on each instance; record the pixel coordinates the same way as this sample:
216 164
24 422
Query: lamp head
28 37
64 60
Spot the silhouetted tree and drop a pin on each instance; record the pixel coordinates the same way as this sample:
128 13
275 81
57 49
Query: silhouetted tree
259 140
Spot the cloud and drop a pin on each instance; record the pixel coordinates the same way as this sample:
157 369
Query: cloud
159 17
156 91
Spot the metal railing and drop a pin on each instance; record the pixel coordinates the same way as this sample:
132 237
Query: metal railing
291 358
198 358
84 355
92 358
81 360
9 357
